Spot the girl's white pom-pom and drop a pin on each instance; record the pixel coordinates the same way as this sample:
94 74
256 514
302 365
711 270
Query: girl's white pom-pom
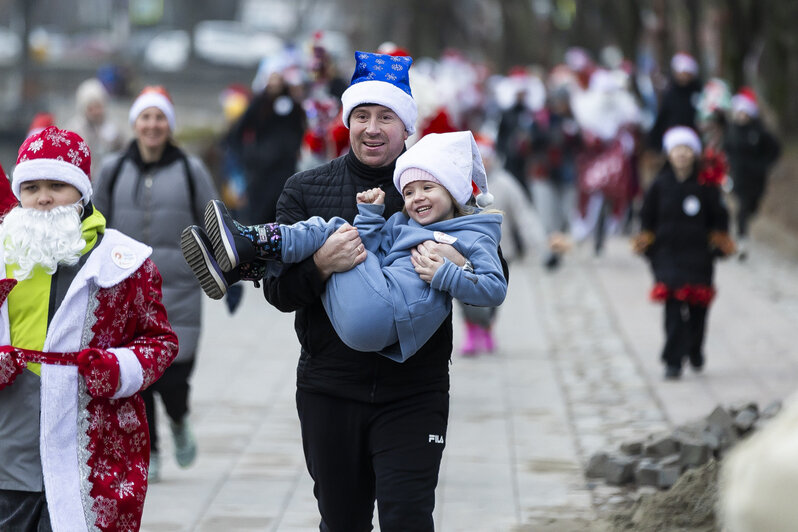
485 200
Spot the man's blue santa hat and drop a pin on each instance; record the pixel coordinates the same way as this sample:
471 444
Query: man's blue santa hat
382 80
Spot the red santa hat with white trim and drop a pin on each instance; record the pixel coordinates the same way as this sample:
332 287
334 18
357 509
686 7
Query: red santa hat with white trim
745 101
153 96
450 159
57 155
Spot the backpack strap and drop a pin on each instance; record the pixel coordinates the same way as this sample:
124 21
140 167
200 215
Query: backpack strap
192 193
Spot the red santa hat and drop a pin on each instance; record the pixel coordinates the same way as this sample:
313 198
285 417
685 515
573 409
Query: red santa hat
153 96
39 122
684 62
745 101
451 159
391 48
681 136
57 155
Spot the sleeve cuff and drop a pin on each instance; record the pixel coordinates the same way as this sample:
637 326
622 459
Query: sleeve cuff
131 375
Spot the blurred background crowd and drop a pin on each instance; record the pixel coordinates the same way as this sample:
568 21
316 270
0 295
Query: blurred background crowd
570 97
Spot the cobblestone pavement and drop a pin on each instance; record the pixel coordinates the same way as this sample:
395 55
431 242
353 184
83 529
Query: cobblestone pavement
576 371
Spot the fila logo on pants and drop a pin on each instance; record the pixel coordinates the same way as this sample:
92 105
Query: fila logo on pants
434 438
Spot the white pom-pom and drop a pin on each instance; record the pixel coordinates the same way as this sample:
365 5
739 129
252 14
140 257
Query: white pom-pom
485 200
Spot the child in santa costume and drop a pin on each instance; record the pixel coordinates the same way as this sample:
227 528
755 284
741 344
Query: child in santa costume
384 303
82 332
684 229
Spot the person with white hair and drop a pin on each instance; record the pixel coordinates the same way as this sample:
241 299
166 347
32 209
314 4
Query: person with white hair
93 123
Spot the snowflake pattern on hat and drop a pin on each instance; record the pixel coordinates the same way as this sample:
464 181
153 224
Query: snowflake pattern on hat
55 154
370 67
381 79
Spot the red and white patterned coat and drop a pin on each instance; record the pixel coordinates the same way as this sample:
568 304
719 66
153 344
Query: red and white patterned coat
95 451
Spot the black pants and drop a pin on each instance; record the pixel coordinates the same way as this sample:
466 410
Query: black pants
24 511
173 387
356 452
747 205
685 325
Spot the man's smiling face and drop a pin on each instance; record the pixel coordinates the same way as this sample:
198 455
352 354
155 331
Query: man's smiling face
376 135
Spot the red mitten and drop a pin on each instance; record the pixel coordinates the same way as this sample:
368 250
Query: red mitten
11 365
100 369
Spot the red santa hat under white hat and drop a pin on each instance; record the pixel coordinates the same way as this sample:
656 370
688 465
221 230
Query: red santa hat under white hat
681 136
153 96
57 155
451 159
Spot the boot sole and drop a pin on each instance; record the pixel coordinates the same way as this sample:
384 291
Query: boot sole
224 249
201 262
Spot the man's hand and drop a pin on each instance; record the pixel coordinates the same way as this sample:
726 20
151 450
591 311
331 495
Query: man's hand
11 365
340 253
430 247
100 369
373 195
426 265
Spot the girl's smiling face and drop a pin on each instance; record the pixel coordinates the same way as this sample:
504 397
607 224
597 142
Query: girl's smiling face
427 202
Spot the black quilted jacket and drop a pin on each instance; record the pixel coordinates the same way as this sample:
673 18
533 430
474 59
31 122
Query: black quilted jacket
327 365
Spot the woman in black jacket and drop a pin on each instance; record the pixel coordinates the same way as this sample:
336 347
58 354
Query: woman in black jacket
684 228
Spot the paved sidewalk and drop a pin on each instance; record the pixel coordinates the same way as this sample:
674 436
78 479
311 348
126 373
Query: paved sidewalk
577 371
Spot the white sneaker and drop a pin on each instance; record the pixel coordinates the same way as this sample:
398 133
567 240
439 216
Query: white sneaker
185 443
154 472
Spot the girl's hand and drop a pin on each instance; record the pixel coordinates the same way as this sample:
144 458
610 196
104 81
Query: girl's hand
375 196
426 265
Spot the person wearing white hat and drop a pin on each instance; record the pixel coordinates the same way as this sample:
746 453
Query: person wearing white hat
684 228
368 423
424 247
151 189
82 332
93 123
384 304
678 104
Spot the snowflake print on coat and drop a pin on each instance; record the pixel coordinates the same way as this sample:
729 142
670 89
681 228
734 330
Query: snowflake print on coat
130 316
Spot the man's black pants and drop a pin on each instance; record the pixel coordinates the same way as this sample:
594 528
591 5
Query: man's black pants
356 452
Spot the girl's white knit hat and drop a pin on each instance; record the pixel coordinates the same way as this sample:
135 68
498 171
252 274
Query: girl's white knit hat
681 136
454 161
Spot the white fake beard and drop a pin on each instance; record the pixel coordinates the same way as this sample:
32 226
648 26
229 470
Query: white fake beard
46 238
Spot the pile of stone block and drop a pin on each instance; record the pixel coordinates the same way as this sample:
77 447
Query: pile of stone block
659 459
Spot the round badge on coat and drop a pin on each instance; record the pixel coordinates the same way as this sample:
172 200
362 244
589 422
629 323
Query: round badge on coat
691 205
283 105
443 238
123 257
